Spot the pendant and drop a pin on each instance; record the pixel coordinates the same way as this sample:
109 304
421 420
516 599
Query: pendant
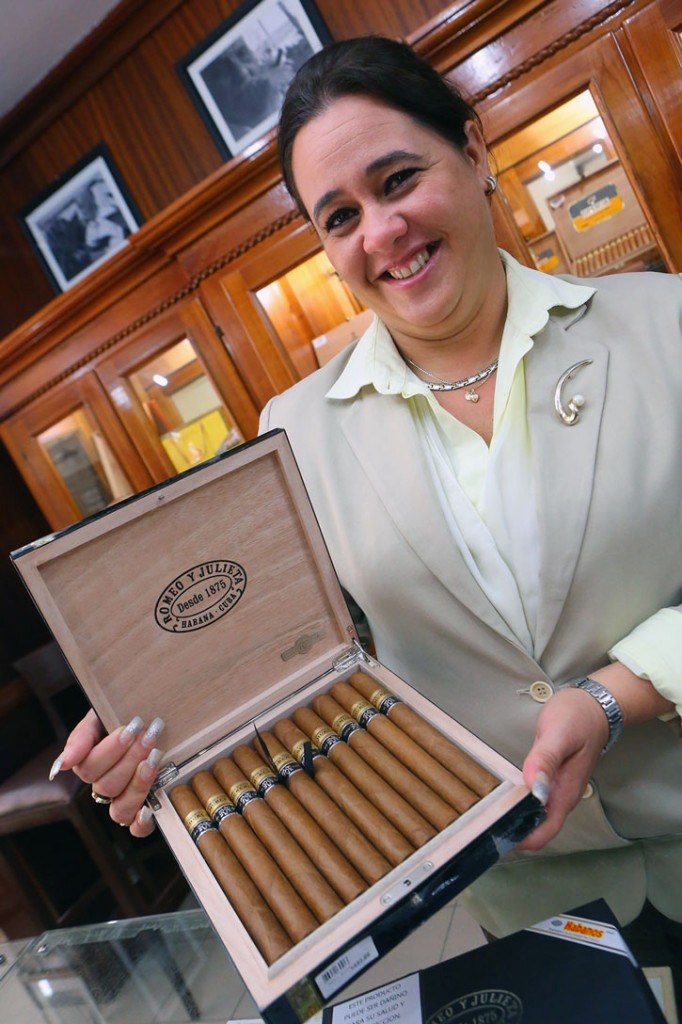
471 395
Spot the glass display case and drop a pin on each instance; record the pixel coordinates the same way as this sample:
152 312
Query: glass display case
187 413
169 967
570 196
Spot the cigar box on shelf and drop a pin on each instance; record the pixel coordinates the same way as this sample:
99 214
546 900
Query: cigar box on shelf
211 601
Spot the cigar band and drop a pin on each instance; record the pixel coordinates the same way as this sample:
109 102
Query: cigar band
242 794
345 725
216 802
263 780
378 695
384 701
223 812
298 749
332 740
282 759
197 823
286 766
363 712
320 735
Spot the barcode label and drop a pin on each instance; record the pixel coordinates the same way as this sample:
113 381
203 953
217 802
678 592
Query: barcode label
341 971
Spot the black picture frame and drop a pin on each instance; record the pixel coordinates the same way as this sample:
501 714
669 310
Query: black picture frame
81 219
238 74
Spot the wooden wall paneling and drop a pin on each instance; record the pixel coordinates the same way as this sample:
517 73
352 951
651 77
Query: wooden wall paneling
654 57
600 67
78 325
237 209
462 29
543 35
348 18
671 12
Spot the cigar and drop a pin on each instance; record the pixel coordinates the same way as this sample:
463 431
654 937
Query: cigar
250 907
422 797
343 833
342 792
425 767
277 891
294 862
326 857
426 735
416 829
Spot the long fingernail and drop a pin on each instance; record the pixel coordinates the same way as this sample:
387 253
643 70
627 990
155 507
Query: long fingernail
56 767
144 816
540 787
148 767
127 735
153 732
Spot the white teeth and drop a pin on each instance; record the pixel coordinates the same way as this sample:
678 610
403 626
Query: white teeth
400 273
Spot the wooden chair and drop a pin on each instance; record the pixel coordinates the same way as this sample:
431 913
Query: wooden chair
74 865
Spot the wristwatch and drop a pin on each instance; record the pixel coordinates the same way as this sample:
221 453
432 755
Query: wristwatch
609 705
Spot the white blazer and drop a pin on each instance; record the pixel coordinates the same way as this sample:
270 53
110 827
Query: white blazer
609 496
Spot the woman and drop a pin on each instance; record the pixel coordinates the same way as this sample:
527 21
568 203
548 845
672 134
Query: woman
495 534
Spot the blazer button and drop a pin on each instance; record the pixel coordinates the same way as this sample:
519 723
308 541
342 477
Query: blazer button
541 691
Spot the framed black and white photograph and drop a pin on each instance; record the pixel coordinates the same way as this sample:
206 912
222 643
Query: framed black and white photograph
81 220
238 75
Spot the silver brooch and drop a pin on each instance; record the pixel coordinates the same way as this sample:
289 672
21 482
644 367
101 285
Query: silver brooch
569 414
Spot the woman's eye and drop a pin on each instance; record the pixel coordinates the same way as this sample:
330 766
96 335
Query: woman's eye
338 219
398 178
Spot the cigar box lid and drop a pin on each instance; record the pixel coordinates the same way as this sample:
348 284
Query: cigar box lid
204 600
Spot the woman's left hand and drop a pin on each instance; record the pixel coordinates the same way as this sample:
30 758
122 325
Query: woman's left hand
571 732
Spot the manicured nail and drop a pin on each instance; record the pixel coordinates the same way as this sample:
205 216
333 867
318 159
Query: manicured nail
56 767
127 735
144 816
540 788
153 732
148 767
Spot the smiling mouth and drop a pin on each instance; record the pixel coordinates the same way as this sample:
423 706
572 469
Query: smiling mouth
414 266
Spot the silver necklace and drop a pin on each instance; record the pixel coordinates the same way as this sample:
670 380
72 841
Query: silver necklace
455 385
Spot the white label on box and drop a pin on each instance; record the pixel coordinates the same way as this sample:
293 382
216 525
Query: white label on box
586 932
339 973
397 1003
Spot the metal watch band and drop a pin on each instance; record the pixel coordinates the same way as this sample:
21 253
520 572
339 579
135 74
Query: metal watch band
609 705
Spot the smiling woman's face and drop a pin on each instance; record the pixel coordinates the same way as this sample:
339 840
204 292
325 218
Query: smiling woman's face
401 212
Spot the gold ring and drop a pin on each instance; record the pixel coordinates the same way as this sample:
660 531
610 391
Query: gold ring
98 798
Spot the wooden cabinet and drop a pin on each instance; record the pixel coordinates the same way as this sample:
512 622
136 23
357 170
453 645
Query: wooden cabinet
163 400
73 452
169 351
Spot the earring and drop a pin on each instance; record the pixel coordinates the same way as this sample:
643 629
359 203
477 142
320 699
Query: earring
490 184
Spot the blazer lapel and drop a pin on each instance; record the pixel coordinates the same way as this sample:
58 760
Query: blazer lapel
563 457
388 448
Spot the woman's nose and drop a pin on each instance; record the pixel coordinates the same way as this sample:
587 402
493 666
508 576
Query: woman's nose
382 228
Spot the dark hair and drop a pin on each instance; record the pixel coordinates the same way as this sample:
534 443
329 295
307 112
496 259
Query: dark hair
371 66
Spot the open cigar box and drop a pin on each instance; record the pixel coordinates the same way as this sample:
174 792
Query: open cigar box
211 601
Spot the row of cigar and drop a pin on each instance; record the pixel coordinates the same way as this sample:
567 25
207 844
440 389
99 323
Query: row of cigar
614 251
295 826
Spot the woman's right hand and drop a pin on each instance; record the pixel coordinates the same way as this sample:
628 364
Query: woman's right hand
120 767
